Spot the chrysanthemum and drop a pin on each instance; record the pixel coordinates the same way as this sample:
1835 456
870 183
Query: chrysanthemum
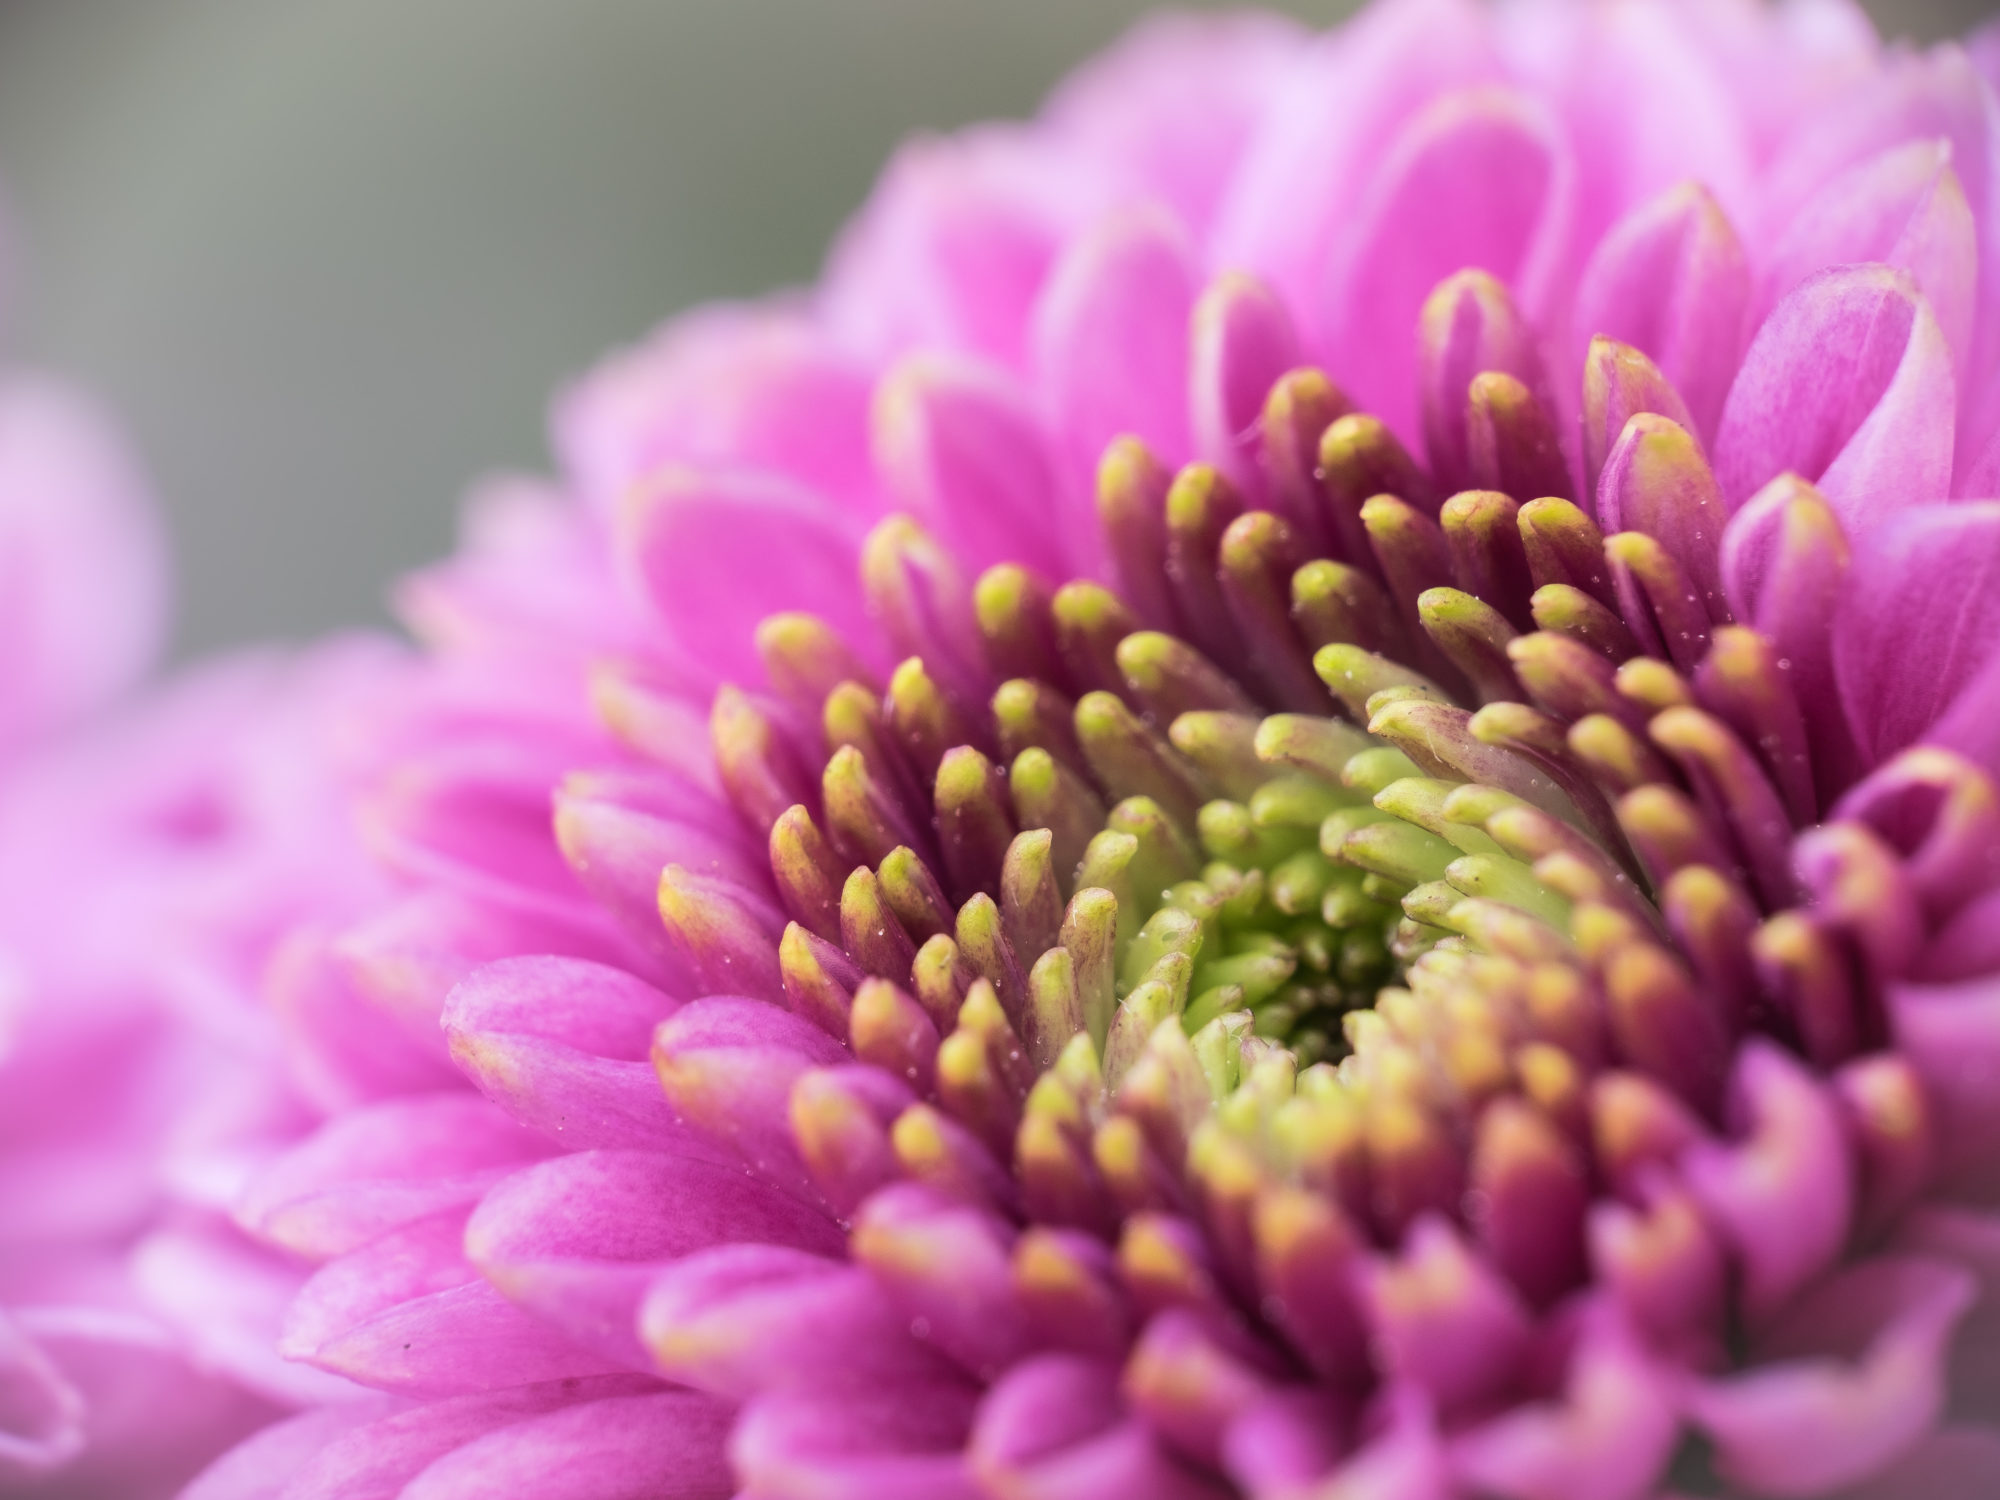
1304 806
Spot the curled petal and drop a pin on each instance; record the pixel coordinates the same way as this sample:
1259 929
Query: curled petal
1849 383
44 1427
617 844
406 959
1968 1238
1904 208
1655 480
1783 1196
224 1297
1606 1438
948 1264
1445 1321
1856 1375
1400 1458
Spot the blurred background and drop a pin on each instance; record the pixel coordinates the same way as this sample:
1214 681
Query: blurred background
328 258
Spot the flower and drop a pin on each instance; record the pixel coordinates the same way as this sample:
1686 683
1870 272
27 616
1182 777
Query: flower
154 848
1198 953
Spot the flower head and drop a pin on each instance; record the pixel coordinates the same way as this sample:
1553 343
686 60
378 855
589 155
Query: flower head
1344 838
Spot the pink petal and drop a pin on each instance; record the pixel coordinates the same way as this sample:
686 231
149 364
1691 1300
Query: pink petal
262 1467
960 449
377 1168
447 1343
1327 126
1655 480
1969 1239
1171 105
1858 1377
146 1416
1783 1195
471 811
1951 1034
1191 1381
45 1412
668 1443
1646 102
953 245
1671 280
1111 339
1293 1437
1445 1323
577 1239
617 836
1606 1438
374 1460
754 387
729 1064
1478 180
1903 208
225 1299
591 1008
1848 383
1969 945
949 1266
407 956
1917 639
1054 1429
879 1442
1240 343
561 1046
1913 97
1785 562
1401 1458
341 1051
717 553
741 1319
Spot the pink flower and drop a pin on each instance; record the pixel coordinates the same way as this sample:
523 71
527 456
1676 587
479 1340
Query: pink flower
154 852
1345 841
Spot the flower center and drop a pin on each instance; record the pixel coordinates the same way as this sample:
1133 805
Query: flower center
1356 872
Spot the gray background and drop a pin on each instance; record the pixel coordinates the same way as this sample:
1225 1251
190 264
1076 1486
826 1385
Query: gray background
329 257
